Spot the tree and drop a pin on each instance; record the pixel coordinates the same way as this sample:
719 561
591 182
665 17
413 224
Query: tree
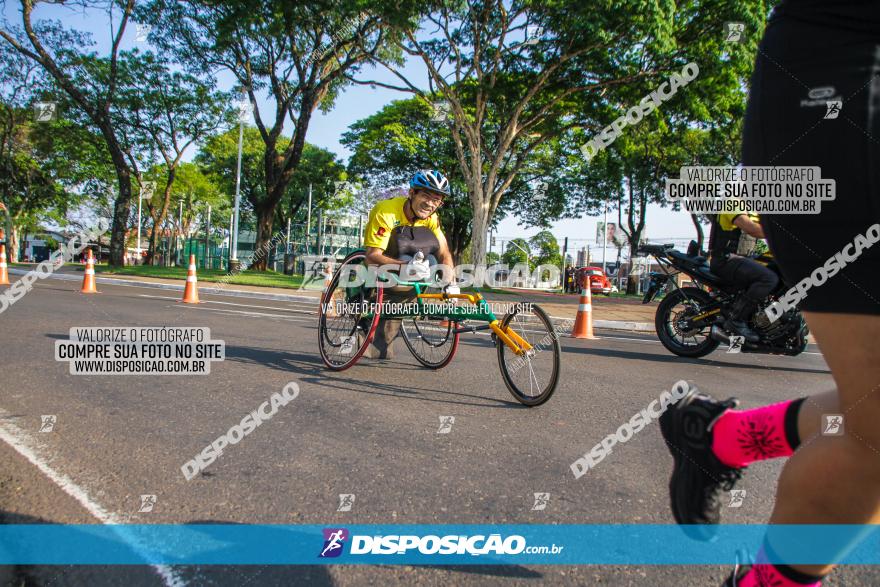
715 146
192 192
517 251
508 97
547 248
91 84
165 112
318 167
295 53
46 167
402 137
218 158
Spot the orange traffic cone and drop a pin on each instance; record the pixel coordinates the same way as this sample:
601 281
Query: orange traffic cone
89 277
583 323
4 272
191 291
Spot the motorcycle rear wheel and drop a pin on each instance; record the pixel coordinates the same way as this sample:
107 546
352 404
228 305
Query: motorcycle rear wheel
675 307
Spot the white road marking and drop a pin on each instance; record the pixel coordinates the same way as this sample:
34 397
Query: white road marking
649 341
254 314
311 313
23 445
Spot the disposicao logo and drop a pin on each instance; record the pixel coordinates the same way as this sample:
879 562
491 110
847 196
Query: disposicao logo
334 539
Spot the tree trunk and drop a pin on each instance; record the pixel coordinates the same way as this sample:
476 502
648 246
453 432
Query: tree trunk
154 244
163 213
12 249
480 227
122 205
265 218
458 241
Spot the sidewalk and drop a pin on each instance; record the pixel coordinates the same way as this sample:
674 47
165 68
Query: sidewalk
616 314
613 313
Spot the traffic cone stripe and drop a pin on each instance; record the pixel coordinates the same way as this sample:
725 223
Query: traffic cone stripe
585 307
191 278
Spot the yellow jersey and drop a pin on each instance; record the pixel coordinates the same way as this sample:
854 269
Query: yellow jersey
388 216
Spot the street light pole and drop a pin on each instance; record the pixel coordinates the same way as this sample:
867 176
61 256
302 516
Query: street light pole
309 221
234 243
207 240
229 244
179 225
605 236
140 201
243 114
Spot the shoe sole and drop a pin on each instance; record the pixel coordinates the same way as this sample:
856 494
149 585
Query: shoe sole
670 431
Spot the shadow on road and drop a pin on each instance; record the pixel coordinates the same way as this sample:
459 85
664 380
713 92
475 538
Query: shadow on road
46 575
619 354
313 370
445 396
304 364
220 574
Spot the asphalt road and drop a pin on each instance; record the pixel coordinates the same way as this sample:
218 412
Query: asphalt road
369 431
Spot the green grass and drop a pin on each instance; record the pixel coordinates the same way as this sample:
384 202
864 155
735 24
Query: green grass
255 278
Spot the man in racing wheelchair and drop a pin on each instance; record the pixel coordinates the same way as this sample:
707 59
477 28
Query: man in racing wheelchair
406 231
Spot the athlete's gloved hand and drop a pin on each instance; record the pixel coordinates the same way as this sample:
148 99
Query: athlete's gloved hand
418 269
452 288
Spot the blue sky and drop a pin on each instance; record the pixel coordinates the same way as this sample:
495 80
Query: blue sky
357 102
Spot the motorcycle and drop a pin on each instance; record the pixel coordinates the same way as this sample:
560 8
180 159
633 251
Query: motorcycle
689 319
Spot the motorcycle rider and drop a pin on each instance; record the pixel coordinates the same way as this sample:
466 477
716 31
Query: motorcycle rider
732 241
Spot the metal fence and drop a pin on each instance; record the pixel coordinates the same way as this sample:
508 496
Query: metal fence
324 239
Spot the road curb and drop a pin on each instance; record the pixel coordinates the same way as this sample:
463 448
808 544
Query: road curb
629 326
235 293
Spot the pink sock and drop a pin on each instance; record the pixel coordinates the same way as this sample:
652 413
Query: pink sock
769 576
768 432
763 574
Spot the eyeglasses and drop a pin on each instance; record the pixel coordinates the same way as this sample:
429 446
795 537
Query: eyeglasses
432 197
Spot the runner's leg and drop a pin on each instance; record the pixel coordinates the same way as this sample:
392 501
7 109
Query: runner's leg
848 465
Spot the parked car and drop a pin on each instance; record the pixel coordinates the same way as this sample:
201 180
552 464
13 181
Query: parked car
599 283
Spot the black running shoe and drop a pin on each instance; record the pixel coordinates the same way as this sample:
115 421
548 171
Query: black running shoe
698 479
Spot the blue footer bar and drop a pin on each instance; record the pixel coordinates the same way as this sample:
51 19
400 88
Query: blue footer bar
441 544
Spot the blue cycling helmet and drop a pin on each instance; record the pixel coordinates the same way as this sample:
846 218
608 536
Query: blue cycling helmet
431 180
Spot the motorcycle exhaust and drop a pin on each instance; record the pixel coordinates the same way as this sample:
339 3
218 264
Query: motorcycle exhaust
715 333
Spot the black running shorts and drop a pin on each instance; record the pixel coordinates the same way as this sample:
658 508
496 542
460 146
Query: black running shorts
801 66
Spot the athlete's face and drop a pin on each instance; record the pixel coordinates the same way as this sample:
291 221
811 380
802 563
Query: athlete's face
425 203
